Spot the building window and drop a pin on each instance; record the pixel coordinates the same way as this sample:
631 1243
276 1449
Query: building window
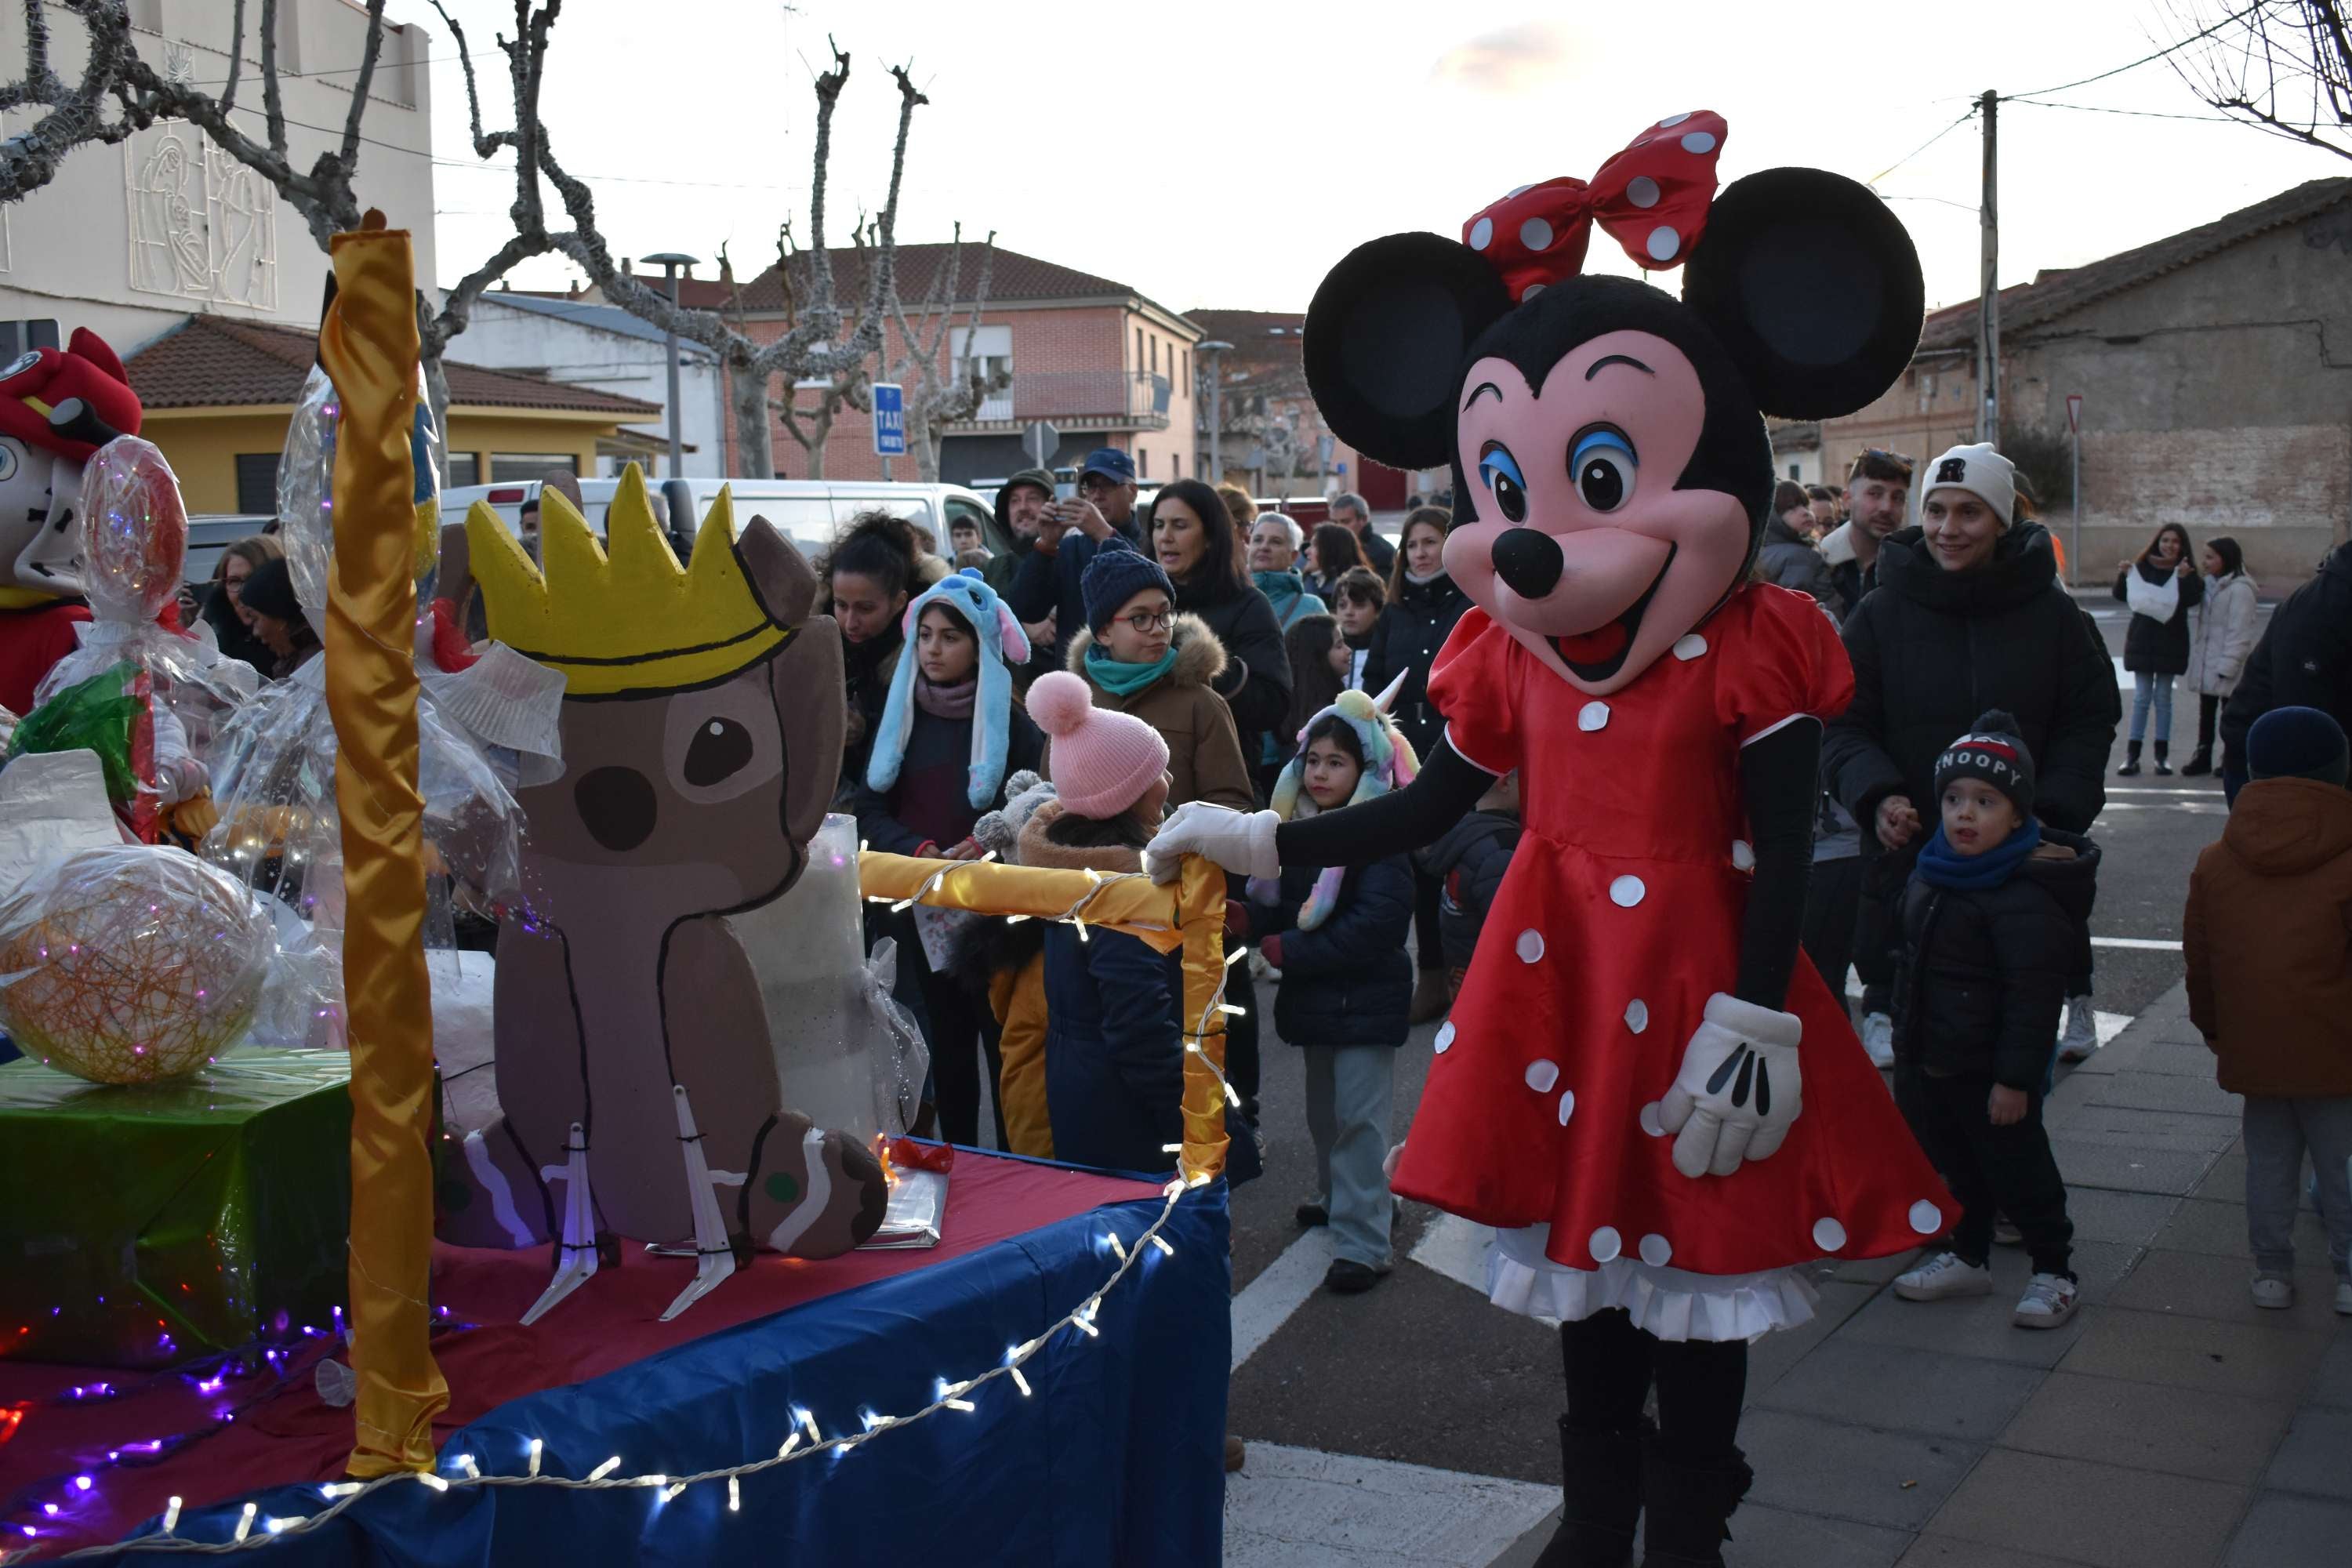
1143 462
257 483
1138 348
515 468
1792 471
1188 367
1175 465
1155 356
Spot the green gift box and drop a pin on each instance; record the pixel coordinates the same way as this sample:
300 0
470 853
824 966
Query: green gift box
148 1225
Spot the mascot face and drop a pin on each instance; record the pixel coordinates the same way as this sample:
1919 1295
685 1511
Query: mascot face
1611 472
40 497
57 407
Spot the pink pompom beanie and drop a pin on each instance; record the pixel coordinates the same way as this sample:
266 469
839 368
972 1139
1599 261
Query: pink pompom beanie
1100 761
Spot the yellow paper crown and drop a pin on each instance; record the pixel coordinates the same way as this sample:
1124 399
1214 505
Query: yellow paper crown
622 618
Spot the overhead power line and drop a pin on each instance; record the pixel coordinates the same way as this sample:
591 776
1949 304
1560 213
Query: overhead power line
2174 48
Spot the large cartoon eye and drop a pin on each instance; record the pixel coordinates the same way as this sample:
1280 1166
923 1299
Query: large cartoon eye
1500 471
1601 462
720 749
12 457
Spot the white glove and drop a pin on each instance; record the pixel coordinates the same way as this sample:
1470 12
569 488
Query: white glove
1238 840
1738 1088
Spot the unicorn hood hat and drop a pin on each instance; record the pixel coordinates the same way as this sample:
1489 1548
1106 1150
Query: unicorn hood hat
1004 647
1389 764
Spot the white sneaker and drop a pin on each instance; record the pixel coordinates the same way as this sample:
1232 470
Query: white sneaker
2273 1292
1941 1275
2049 1300
2344 1297
1878 1038
2081 1036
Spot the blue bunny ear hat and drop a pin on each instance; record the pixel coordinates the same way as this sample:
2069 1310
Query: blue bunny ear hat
1004 647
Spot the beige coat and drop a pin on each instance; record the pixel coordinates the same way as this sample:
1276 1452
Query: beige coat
1205 750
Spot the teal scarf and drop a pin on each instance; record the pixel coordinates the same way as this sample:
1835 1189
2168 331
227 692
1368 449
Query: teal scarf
1286 592
1121 679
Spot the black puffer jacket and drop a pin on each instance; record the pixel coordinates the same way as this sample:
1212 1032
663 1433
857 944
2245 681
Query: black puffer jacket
1349 982
1790 559
1932 649
1984 971
1468 861
1405 640
2159 648
2303 658
1255 682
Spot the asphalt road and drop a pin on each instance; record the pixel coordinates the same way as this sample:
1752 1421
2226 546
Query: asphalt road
1422 1369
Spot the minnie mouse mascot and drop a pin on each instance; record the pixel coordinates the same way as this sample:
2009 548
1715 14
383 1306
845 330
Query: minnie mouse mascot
1661 1110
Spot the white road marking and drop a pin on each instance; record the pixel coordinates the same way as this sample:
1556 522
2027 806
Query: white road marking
2138 789
1297 1507
2142 943
1267 1301
2214 807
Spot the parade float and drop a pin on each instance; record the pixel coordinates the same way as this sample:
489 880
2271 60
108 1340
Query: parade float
647 1326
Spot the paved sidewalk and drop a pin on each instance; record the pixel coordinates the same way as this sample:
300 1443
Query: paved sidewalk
2172 1425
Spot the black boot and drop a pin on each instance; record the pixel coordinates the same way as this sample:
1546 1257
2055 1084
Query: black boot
2163 770
2198 766
1687 1508
1601 1498
2130 770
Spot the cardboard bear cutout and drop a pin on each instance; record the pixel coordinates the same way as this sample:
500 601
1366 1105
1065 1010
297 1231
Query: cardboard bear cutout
701 737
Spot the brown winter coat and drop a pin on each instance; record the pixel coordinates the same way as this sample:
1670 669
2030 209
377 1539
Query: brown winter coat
2268 937
1205 750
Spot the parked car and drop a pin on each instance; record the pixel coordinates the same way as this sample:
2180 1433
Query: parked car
1304 511
808 511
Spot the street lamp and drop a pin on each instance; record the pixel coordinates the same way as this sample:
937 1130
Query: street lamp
1214 349
669 261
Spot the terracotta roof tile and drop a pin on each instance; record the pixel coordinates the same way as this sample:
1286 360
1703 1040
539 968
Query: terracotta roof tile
208 359
2054 294
1012 277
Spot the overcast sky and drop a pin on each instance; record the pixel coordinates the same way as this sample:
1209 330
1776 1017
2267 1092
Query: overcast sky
1226 152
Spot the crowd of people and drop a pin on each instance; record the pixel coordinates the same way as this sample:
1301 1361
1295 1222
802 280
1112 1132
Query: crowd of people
1119 662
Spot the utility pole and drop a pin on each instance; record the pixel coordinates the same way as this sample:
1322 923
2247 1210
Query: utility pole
1213 352
670 261
1989 289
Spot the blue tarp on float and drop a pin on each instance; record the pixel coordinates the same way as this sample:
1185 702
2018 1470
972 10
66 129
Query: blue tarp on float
1117 1457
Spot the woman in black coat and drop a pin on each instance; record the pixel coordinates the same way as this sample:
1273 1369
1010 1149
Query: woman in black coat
2161 586
1193 538
1424 604
1946 634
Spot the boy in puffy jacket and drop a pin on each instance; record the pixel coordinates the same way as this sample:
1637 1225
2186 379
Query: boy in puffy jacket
1988 919
1468 861
2268 937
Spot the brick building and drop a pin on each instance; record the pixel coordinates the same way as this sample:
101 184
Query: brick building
1095 358
1275 441
2215 369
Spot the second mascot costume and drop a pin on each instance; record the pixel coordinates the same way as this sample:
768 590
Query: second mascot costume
57 406
1643 1086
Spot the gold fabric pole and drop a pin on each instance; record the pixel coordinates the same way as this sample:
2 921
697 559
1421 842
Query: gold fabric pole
1189 912
368 345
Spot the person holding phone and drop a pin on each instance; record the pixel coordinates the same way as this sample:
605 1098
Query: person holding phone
1070 535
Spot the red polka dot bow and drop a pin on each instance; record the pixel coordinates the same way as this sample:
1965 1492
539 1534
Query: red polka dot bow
1652 198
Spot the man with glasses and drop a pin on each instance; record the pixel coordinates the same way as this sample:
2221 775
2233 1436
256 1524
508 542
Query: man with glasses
1070 535
1877 493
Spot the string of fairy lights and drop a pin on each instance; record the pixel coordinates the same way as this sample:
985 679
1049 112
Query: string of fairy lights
806 1437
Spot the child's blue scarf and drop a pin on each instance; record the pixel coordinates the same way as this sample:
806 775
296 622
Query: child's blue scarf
1121 679
1940 868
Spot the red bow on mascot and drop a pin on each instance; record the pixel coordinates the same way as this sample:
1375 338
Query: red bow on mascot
1643 1087
57 406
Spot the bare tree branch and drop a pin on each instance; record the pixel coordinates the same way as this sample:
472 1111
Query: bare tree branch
273 102
235 56
2282 65
76 115
361 87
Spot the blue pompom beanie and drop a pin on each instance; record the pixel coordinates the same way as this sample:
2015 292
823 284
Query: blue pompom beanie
1004 647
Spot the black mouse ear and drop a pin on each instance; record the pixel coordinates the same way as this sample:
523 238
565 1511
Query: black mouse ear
1385 336
1813 287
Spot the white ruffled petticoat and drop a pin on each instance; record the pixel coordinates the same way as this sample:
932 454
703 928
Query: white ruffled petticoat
1666 1302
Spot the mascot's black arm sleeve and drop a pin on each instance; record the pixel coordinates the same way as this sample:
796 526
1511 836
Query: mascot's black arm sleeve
1439 797
1780 776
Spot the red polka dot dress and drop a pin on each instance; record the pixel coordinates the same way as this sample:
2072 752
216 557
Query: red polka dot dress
1620 916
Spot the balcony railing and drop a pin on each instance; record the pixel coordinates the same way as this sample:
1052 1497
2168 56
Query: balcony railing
1083 399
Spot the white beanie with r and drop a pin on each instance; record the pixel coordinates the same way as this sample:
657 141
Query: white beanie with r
1978 470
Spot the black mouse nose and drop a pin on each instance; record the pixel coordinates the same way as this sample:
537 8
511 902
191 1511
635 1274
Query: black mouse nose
1527 560
618 807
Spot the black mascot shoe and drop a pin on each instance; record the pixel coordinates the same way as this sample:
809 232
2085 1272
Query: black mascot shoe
1601 1498
1687 1508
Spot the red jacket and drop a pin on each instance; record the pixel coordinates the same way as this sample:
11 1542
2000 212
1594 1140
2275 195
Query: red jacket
31 642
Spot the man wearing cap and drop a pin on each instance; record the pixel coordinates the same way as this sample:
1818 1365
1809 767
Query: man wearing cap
1070 535
57 406
1967 614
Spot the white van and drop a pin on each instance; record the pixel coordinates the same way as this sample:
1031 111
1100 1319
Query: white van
807 512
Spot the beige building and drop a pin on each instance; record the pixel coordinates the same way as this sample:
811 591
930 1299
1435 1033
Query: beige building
2215 373
130 240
